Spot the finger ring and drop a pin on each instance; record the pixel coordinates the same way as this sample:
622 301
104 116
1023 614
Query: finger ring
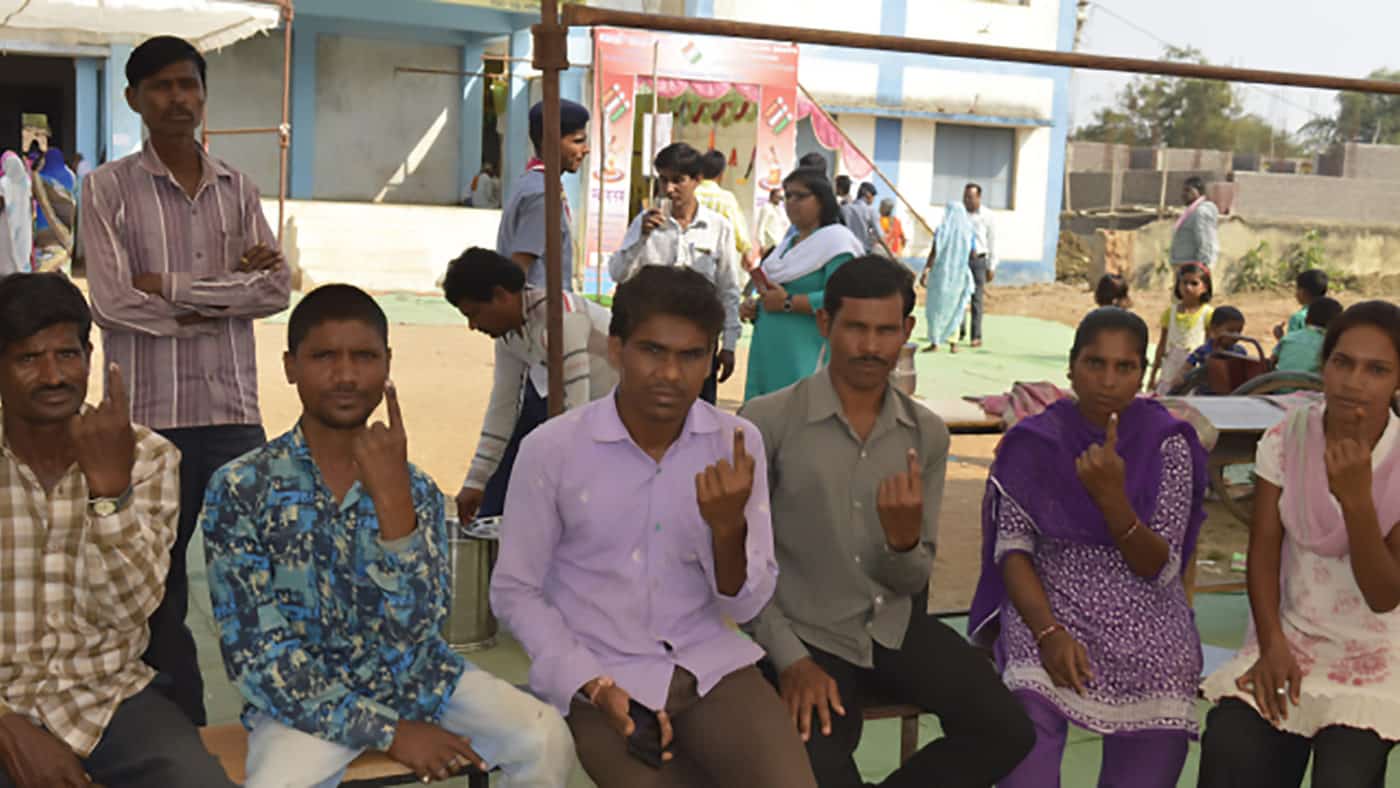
426 779
1281 691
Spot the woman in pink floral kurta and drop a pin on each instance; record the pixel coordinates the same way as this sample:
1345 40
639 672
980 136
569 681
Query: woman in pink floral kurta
1320 669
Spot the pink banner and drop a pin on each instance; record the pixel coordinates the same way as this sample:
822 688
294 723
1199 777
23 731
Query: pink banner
831 138
614 100
776 140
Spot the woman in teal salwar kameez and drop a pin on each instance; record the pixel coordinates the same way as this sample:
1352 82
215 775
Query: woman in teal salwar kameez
786 346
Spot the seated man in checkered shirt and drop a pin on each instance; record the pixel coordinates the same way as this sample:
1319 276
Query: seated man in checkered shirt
88 511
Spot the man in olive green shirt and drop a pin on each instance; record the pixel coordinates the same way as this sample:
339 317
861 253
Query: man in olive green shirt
856 471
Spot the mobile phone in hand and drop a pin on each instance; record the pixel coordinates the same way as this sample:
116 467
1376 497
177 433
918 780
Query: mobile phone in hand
645 742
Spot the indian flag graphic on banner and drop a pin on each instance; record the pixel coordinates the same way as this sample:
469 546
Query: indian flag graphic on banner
691 52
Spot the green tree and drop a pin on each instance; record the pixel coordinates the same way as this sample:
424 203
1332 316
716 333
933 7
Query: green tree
1361 117
1184 113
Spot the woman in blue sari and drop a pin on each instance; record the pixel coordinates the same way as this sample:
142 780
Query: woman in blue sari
54 190
948 277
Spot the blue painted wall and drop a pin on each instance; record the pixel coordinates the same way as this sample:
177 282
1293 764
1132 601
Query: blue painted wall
87 98
121 128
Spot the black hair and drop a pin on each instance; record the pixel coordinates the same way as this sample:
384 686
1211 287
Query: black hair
813 159
1226 314
156 53
1195 182
477 272
30 303
843 185
573 116
334 302
1111 289
1105 319
866 188
1203 272
680 157
712 164
1380 314
666 290
815 181
1313 282
775 193
871 276
1323 311
976 186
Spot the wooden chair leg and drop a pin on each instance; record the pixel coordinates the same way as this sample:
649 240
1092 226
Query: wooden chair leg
908 737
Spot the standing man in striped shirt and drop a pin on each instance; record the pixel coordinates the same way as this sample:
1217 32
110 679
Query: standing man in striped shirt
180 260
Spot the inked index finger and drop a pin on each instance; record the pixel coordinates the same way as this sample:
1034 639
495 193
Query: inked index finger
1111 437
740 450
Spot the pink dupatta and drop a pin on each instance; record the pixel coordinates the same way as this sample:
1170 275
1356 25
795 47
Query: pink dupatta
1316 522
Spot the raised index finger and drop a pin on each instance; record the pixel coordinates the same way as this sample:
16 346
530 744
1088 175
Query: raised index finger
741 452
115 390
391 404
1111 437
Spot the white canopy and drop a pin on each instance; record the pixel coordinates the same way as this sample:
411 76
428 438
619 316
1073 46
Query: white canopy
208 24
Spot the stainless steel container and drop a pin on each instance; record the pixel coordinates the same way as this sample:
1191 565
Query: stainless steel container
905 377
470 625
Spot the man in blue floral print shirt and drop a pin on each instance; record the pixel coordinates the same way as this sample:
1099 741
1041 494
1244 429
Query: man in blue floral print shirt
328 568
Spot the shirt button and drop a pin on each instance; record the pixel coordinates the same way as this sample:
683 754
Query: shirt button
857 559
199 255
637 556
856 504
864 454
879 600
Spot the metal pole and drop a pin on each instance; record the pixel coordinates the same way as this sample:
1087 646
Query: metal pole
871 162
652 199
551 57
284 135
602 154
582 16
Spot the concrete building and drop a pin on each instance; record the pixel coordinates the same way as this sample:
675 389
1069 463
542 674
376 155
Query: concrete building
390 104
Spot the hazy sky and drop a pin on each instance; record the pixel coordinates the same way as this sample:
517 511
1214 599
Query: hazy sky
1337 37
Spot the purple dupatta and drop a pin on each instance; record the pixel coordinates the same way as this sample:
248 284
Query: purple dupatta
1034 467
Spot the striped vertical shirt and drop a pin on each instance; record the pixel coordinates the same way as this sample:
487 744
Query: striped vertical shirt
76 591
135 219
588 375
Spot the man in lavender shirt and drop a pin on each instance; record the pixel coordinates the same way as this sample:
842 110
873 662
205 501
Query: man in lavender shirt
180 261
638 530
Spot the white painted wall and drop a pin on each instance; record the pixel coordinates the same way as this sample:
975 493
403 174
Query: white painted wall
245 91
1020 231
379 247
381 136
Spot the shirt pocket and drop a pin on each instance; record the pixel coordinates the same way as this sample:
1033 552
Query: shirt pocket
704 260
234 244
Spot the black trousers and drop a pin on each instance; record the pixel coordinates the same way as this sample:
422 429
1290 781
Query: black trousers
986 732
534 410
710 392
1241 749
149 743
203 450
979 282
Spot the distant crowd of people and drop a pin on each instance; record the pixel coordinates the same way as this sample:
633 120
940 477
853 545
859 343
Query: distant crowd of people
38 208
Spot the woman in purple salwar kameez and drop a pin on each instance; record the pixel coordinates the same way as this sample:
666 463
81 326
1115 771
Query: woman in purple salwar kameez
1091 510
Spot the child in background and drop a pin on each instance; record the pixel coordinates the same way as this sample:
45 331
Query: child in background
1112 290
1183 326
1301 350
1311 285
1222 336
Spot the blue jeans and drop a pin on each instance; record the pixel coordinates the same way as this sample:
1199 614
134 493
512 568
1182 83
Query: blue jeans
508 728
203 450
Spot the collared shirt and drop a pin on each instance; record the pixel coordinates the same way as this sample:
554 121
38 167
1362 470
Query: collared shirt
137 220
76 590
606 567
722 201
588 374
984 240
705 245
842 587
522 228
773 224
324 626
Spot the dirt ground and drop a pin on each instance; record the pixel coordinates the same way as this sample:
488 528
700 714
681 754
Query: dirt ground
444 378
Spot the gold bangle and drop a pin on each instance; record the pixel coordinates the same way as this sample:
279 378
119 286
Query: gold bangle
1131 530
1047 632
